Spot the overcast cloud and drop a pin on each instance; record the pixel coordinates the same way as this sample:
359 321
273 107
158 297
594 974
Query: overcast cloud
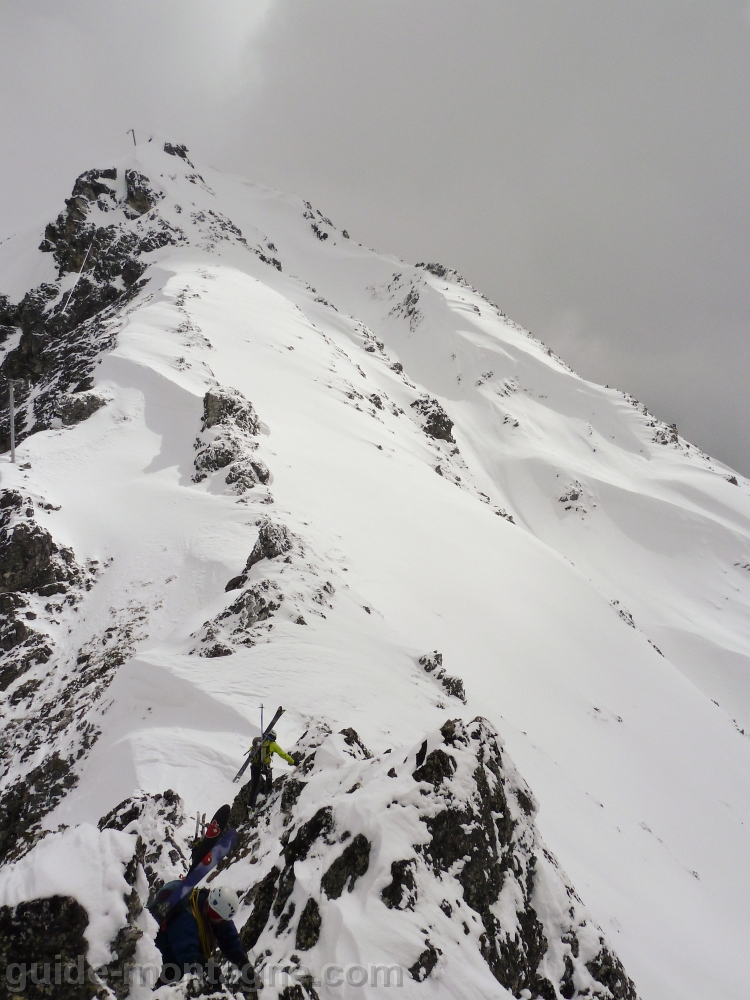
583 162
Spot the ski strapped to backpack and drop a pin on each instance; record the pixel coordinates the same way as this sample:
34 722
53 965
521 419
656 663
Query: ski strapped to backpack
173 893
254 752
214 830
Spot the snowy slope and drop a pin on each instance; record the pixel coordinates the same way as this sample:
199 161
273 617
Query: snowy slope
582 569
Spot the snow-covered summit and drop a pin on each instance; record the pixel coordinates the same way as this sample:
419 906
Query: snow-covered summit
262 463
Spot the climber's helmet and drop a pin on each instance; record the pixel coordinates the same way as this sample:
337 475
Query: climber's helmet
223 903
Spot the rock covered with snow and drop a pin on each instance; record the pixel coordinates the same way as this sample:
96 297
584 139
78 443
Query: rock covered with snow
274 540
31 561
437 423
432 663
230 425
430 858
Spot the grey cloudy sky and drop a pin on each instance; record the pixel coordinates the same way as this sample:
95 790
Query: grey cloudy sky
583 162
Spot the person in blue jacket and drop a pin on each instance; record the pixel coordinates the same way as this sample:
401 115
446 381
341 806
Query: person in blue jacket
200 924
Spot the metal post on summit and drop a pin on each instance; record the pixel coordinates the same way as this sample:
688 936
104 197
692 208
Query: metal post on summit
131 131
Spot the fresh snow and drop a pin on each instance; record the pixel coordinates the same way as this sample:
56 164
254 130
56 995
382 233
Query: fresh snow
621 544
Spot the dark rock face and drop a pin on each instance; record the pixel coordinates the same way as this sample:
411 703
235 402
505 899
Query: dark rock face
262 896
401 893
63 333
254 605
351 738
273 540
177 150
232 444
432 663
482 834
291 791
31 561
45 728
27 800
437 423
308 929
228 406
297 992
347 868
437 767
51 932
408 308
270 896
217 649
607 969
424 964
299 846
666 434
478 862
141 196
72 409
439 270
244 476
27 646
217 455
123 945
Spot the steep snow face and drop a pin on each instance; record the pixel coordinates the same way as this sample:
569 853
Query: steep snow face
224 391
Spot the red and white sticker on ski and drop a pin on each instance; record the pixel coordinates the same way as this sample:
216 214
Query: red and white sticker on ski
221 848
215 829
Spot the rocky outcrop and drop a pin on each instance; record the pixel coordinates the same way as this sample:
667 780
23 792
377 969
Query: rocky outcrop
343 873
408 308
308 928
228 406
141 194
176 149
226 441
46 936
45 726
74 408
101 237
475 859
286 587
30 560
432 663
53 931
255 604
235 624
274 540
21 646
28 799
436 422
154 820
31 563
666 434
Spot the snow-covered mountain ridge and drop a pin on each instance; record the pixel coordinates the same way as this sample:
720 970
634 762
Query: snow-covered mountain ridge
224 390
